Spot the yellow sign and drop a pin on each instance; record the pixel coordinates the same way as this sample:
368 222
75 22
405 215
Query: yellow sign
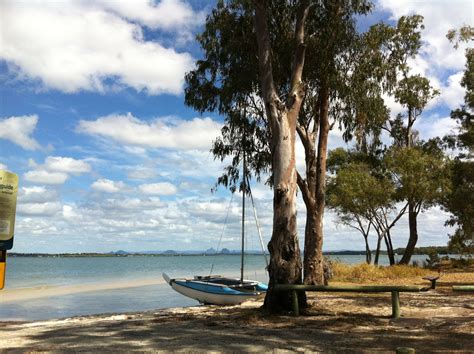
3 268
8 193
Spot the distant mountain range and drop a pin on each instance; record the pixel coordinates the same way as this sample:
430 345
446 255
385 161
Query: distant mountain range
210 251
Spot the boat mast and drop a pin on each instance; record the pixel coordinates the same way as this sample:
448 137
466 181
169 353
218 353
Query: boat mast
244 189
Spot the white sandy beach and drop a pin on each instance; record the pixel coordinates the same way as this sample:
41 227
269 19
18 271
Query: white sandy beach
430 322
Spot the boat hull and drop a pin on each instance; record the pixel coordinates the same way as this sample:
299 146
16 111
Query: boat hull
215 294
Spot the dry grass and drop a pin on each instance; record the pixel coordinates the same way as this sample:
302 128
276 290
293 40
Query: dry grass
398 274
369 273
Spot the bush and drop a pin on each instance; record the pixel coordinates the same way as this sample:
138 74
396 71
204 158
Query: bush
433 259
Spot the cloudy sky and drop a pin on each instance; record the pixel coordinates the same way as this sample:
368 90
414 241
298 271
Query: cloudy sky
92 120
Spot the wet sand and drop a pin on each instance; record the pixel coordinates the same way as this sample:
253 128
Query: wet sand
436 321
21 294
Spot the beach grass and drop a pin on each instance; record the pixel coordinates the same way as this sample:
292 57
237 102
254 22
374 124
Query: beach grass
370 273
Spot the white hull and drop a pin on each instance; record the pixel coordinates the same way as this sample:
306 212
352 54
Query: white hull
205 297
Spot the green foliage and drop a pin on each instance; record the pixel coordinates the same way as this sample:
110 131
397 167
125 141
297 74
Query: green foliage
414 92
420 175
355 191
352 65
460 202
464 34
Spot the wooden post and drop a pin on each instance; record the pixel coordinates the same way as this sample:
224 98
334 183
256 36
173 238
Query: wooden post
3 266
296 307
395 304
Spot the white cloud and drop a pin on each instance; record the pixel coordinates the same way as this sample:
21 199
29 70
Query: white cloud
431 127
39 209
171 15
19 129
141 172
164 188
76 45
3 167
438 60
37 194
108 186
439 17
453 93
66 165
55 170
46 177
197 133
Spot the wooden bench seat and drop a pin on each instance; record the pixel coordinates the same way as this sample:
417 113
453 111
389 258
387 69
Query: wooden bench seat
395 290
463 288
433 280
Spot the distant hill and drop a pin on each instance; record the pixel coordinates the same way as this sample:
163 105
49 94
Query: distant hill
224 251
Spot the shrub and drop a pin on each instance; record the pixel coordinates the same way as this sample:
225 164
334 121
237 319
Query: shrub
433 259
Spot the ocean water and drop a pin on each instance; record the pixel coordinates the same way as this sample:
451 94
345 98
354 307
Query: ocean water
39 288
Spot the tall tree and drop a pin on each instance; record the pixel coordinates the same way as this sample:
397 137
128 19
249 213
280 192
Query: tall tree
363 196
214 85
342 76
334 45
412 92
421 178
460 201
285 262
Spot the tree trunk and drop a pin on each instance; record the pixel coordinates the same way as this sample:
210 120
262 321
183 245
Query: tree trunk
313 255
390 244
391 257
285 258
377 251
285 262
413 239
368 254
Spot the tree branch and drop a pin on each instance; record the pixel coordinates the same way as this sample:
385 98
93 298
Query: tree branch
303 186
298 64
270 96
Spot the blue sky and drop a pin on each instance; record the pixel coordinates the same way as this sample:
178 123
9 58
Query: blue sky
92 119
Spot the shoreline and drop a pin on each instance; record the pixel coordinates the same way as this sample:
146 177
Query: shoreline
23 294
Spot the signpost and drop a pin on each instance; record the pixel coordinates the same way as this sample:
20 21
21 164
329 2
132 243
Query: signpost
8 194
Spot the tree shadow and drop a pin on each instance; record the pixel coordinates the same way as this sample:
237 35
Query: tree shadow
351 332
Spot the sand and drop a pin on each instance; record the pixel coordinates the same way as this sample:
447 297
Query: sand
434 321
21 294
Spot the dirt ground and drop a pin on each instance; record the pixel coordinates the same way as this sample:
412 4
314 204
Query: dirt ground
437 321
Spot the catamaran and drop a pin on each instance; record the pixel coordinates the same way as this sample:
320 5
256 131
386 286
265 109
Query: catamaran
219 290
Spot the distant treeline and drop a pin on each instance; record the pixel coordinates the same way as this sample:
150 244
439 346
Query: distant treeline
428 250
419 250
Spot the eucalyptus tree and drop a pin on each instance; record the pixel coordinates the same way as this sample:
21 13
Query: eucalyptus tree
413 93
354 194
240 78
363 196
460 201
421 178
342 74
282 114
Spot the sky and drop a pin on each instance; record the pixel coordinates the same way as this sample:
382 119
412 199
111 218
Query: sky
93 121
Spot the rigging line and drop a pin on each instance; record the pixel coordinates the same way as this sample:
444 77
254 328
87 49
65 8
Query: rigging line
222 234
256 222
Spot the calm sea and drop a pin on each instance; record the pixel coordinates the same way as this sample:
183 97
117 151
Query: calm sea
72 286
